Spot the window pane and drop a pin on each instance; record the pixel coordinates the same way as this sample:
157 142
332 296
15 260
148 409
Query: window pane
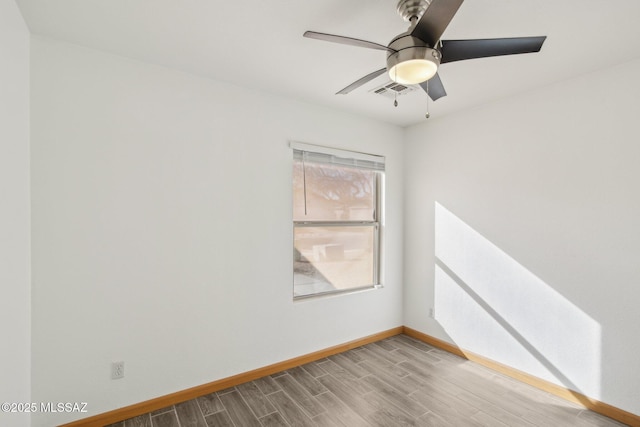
323 192
330 259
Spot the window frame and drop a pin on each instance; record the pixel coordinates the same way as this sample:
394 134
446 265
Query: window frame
376 223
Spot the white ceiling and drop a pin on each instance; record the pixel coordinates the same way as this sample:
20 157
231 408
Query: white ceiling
259 44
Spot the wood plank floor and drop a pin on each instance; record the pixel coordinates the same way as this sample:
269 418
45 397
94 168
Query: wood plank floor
395 382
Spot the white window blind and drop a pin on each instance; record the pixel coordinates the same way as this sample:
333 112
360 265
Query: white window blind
335 156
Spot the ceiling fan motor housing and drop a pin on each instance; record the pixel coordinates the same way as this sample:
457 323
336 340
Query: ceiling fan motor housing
411 52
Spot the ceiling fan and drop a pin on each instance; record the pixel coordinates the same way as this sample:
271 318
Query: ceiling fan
413 57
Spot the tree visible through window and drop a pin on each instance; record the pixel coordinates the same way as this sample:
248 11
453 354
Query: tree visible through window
336 215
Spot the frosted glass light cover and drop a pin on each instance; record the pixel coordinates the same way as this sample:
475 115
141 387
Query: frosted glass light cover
413 71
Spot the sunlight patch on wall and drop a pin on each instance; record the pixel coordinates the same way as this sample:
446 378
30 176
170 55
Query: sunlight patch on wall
490 304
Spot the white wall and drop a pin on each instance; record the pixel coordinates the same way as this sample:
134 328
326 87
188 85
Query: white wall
14 212
162 230
522 222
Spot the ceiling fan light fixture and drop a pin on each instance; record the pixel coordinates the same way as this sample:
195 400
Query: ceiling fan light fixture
413 71
413 65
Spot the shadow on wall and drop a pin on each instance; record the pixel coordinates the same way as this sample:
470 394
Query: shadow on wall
491 305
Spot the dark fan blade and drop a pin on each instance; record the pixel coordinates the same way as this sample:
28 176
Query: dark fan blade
458 50
434 88
435 20
345 40
362 81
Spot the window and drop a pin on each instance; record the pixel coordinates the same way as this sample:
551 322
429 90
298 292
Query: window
337 205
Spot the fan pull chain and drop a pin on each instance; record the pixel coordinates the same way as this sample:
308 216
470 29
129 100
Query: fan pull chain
426 116
395 99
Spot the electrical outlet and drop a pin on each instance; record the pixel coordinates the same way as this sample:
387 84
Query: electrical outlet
117 370
432 313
